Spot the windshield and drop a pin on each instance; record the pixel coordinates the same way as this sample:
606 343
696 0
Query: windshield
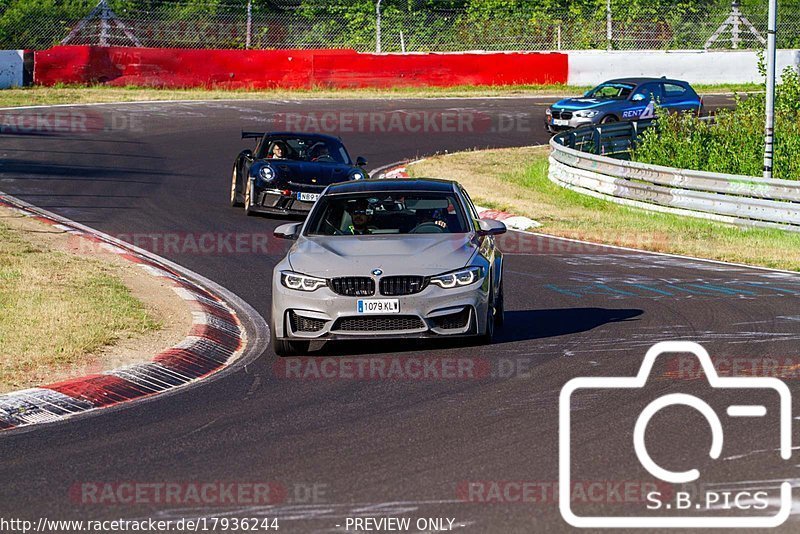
319 150
611 91
387 213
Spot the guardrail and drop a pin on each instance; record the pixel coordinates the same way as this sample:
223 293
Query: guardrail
594 160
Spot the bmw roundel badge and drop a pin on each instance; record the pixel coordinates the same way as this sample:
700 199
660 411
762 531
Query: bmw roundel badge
377 272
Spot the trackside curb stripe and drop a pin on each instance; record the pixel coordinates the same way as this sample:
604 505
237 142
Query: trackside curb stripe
215 340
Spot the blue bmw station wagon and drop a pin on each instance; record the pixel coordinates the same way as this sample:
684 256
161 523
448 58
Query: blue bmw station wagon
623 99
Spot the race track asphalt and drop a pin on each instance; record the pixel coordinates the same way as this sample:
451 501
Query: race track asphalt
345 447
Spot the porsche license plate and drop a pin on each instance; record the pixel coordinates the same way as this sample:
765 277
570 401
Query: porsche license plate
560 122
307 197
378 306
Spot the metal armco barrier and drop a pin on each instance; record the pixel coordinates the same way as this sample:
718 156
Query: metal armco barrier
582 160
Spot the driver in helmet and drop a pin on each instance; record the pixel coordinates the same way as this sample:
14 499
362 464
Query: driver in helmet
361 215
431 216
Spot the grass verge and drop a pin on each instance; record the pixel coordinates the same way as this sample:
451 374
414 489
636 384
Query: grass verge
31 96
515 180
58 310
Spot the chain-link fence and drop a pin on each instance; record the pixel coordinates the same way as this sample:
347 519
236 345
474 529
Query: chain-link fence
261 24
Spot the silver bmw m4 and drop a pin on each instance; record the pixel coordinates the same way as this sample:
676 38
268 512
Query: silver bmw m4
388 259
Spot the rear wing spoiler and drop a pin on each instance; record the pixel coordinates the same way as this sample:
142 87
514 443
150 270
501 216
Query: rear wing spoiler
253 135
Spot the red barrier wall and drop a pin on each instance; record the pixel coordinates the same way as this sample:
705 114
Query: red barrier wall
259 69
393 70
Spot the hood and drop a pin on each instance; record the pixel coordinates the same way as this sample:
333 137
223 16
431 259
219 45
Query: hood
573 104
423 254
306 171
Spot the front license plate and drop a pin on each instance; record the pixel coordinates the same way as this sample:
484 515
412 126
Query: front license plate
560 122
378 306
308 197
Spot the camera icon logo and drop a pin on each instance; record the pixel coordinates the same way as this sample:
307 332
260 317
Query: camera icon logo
675 477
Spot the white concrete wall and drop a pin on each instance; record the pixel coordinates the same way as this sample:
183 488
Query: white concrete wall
10 68
590 67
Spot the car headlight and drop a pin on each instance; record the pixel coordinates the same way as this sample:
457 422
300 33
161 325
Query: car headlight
460 278
358 176
266 173
301 282
586 113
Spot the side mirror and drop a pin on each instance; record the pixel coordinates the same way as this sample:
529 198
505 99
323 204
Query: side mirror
287 231
491 227
587 93
361 161
246 154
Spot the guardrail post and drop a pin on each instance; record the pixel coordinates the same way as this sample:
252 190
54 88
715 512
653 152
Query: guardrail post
769 128
249 30
378 27
572 139
596 139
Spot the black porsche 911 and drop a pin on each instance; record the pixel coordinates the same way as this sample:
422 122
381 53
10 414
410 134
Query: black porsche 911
286 172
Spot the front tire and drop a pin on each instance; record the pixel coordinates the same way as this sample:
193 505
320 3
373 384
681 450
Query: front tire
488 336
248 199
290 347
235 202
500 307
608 119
